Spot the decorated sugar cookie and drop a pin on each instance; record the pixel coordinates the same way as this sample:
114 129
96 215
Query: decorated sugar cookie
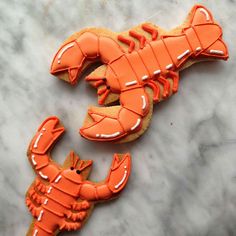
140 67
61 198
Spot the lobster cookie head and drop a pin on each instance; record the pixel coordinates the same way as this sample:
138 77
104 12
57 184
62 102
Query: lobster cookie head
140 67
74 172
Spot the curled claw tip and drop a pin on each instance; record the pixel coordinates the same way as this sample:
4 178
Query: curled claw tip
120 171
49 131
52 120
95 117
119 159
67 62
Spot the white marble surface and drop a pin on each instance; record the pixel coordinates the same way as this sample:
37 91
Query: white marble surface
183 180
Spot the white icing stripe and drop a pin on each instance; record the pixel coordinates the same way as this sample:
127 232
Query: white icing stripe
144 102
42 175
156 72
40 215
122 180
35 232
33 161
183 54
46 201
219 52
49 190
206 13
57 179
136 125
44 129
198 49
169 66
145 77
131 83
63 50
37 140
108 135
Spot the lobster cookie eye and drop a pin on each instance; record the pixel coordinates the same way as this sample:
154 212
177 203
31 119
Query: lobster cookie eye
72 168
77 172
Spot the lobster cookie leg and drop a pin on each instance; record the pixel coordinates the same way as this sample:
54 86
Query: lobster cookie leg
61 198
145 58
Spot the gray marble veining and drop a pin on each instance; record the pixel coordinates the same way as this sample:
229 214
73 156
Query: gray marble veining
183 179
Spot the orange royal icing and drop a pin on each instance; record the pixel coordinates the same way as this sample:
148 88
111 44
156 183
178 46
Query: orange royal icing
151 63
61 198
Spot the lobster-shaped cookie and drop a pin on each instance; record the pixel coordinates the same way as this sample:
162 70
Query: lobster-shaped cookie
140 68
61 198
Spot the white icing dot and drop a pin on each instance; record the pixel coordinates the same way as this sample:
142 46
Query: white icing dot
145 77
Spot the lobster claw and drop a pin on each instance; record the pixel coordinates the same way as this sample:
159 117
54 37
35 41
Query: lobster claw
68 62
47 134
119 173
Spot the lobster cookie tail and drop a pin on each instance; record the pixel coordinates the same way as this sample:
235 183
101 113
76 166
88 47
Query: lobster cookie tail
205 35
72 58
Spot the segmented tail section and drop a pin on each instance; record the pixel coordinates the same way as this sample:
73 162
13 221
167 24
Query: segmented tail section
205 35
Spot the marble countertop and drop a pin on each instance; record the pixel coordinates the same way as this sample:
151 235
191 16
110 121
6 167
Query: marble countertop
183 180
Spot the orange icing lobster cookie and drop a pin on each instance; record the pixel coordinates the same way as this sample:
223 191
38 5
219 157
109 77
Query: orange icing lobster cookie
61 198
141 67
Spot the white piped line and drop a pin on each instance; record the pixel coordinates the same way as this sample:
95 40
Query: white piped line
144 102
219 52
42 175
58 179
44 129
156 72
122 180
40 215
145 77
183 54
63 50
198 49
131 83
45 201
49 190
37 140
35 232
108 135
33 161
205 13
137 124
169 66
